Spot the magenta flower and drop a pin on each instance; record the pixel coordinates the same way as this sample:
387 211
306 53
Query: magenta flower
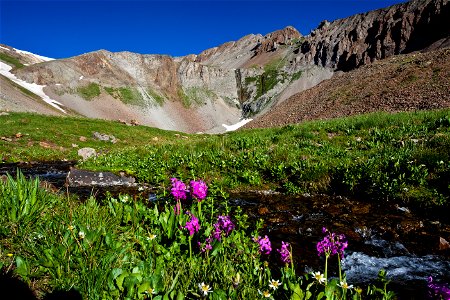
178 189
199 189
224 225
285 253
265 247
192 225
206 246
438 290
332 244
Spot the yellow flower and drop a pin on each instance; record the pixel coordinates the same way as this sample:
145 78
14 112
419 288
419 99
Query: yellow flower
70 227
10 255
151 236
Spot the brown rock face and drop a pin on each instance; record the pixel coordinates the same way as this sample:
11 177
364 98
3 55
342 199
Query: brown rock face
273 40
348 43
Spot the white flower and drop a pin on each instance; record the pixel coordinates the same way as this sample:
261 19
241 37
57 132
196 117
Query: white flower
124 199
81 234
265 294
150 291
204 288
319 277
274 284
344 285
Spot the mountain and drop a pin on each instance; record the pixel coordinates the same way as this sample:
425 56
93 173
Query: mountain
241 79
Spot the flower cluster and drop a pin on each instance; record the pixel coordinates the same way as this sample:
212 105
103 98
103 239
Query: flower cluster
178 190
285 253
224 225
438 290
265 247
199 189
192 225
206 246
332 244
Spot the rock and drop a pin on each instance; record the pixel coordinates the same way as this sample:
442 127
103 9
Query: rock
6 139
19 135
87 152
443 244
155 139
83 139
3 113
77 178
74 146
45 145
347 43
104 137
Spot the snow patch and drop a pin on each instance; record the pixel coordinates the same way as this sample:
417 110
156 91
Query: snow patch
35 88
81 77
4 48
237 125
44 58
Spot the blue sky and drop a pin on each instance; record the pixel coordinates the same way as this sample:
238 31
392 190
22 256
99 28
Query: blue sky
67 28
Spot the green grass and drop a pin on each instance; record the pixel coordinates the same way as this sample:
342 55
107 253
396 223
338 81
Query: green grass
127 95
157 97
90 91
11 60
403 157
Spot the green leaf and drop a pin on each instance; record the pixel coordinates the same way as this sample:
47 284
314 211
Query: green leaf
21 267
120 279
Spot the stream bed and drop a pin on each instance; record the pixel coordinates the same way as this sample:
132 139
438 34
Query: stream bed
410 247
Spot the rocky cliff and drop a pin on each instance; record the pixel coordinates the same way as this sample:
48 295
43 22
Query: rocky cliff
351 42
238 79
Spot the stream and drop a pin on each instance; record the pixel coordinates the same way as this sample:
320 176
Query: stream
410 247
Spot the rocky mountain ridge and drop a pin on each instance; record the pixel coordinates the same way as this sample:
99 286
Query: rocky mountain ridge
244 78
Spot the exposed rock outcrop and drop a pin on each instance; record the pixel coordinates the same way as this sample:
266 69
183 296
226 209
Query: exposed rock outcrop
351 42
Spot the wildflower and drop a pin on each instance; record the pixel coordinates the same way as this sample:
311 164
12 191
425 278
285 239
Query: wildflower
319 277
199 189
152 236
265 247
207 246
204 288
70 227
10 255
150 291
223 225
344 285
265 294
285 253
332 244
178 189
192 225
274 284
124 199
81 235
438 290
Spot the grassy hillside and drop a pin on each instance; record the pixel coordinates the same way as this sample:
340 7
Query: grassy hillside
405 156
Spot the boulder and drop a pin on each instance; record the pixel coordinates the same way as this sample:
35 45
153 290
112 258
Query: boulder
87 152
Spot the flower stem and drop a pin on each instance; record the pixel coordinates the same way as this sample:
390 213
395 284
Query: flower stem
190 248
339 263
326 268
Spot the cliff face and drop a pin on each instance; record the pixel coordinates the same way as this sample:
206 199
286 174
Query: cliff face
351 42
237 79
